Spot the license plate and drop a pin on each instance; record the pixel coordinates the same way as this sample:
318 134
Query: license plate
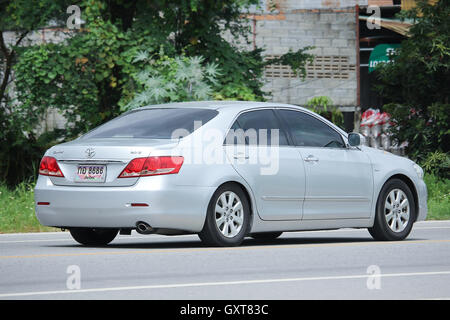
90 173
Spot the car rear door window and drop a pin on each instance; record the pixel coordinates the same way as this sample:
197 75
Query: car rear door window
257 127
308 131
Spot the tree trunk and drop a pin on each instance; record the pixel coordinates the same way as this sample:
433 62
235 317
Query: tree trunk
9 57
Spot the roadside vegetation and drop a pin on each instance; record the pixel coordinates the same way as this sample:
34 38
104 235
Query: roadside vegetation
126 54
438 198
17 210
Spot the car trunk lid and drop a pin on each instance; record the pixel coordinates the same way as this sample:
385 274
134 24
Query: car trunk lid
110 155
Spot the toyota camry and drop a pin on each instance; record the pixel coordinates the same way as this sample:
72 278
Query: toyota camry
225 171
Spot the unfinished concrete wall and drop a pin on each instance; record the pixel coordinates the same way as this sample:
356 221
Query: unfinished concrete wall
329 26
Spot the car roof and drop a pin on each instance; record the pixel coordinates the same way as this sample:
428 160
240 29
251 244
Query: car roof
243 105
233 106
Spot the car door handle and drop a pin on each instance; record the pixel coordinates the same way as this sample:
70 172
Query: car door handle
311 158
240 156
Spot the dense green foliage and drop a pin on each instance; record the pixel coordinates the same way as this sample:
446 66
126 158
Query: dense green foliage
417 83
438 164
167 79
438 197
17 210
20 146
324 106
78 78
126 54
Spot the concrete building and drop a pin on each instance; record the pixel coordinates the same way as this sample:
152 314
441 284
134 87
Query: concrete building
331 27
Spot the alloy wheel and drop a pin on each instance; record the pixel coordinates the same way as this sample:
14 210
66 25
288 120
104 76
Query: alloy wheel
397 210
229 214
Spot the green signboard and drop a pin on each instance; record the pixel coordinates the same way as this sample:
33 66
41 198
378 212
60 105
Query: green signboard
381 54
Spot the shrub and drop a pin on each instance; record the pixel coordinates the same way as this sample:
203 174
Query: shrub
416 82
438 197
438 164
161 79
324 106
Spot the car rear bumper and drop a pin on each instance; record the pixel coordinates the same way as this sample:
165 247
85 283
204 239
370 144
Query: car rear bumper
169 206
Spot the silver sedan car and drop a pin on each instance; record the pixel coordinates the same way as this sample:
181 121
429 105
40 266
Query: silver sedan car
224 171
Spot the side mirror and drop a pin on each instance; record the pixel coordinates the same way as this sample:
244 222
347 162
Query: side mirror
356 139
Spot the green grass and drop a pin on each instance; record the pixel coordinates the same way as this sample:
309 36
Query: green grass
17 210
438 198
17 206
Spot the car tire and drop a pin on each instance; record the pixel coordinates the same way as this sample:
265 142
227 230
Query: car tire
395 212
93 237
266 235
228 217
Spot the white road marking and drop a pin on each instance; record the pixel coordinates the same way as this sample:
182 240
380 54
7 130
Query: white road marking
424 228
31 233
432 221
222 283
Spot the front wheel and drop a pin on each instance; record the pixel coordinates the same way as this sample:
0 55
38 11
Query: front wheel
228 217
395 212
93 237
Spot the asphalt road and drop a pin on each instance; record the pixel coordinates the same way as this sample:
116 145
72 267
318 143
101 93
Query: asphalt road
341 264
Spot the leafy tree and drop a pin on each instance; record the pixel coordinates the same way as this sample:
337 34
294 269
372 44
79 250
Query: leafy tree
417 83
91 75
167 79
19 147
22 17
130 53
79 77
94 74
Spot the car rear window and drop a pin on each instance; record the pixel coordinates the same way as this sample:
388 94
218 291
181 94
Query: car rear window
153 123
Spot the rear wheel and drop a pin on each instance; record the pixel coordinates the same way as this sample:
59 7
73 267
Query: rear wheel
93 237
266 235
228 217
395 213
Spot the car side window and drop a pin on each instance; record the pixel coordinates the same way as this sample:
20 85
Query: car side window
308 131
257 127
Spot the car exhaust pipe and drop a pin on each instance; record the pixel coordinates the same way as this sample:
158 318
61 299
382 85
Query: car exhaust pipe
143 228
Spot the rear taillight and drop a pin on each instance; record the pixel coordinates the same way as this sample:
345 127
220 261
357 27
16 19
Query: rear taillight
49 167
152 166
